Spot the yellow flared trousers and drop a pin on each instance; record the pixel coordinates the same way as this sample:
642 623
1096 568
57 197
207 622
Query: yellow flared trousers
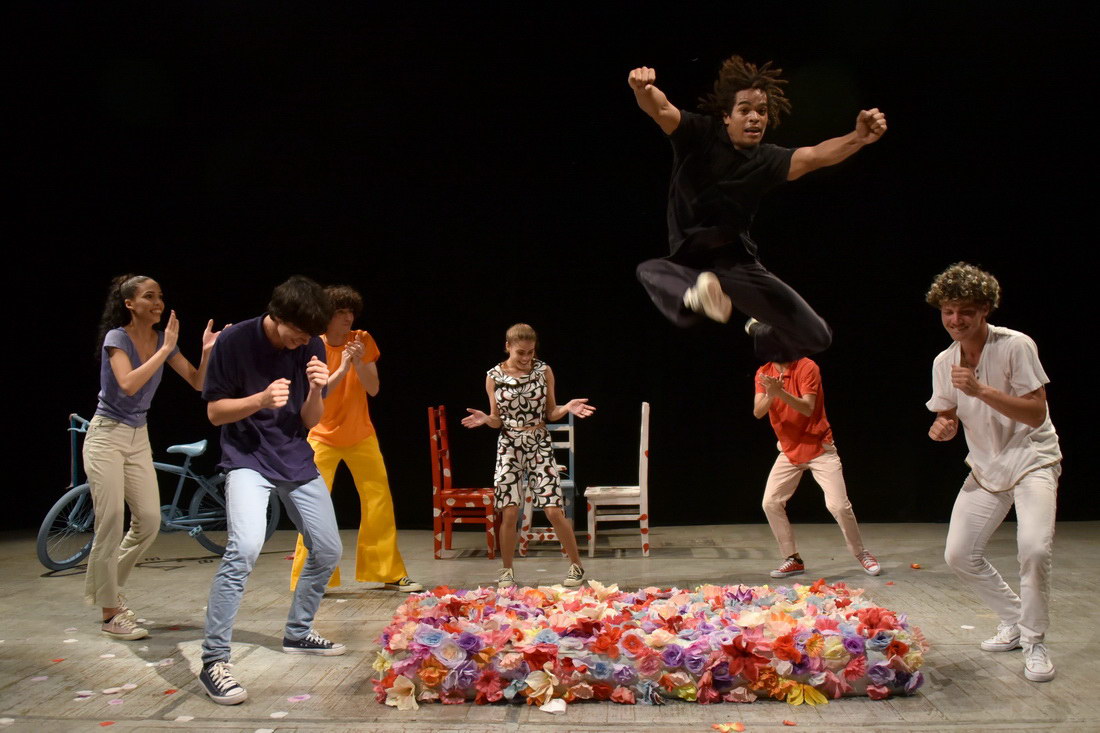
377 559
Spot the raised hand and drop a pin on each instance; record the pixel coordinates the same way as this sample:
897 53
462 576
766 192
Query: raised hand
209 336
870 125
354 350
642 78
772 385
943 428
171 332
580 407
475 419
965 380
276 395
316 373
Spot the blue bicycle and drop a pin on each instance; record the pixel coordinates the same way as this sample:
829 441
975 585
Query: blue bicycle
65 537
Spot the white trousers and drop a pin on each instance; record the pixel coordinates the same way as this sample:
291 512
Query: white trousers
976 515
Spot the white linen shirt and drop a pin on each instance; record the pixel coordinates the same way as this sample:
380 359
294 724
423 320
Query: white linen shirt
1002 450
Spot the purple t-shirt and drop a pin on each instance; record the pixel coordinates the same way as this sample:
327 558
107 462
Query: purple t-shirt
132 409
271 442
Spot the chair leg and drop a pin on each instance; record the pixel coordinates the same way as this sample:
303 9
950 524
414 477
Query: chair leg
437 533
448 526
591 529
643 522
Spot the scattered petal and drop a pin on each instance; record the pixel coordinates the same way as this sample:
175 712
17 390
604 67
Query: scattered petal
170 692
915 565
341 600
888 582
968 627
264 730
166 662
71 641
173 628
40 678
143 649
298 698
280 714
72 628
288 557
789 722
540 570
144 621
112 690
729 727
129 686
105 656
81 699
556 706
105 723
116 701
60 659
85 693
184 718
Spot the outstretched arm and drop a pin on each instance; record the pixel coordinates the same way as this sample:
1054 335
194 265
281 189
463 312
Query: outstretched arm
477 418
554 411
652 100
870 126
196 377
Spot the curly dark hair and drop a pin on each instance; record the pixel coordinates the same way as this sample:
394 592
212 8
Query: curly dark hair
115 312
302 303
736 75
345 297
966 283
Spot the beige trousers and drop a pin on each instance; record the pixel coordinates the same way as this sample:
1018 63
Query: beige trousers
119 464
829 474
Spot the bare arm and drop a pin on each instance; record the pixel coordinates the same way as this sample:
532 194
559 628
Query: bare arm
183 367
131 379
652 100
554 411
1030 409
773 389
870 126
761 404
368 376
232 409
313 406
477 417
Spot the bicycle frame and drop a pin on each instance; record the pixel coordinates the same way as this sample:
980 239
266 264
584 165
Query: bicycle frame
77 425
190 524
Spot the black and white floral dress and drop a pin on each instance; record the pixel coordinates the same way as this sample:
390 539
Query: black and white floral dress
525 453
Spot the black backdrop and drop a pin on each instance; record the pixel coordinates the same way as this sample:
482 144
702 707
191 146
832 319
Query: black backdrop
467 167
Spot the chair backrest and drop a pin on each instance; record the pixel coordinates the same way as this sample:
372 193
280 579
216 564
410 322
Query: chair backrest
440 448
643 459
562 439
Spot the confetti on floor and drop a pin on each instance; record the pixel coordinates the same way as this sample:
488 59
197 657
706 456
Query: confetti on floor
170 692
70 641
915 566
106 656
280 714
71 629
968 627
40 678
298 698
116 701
59 659
184 719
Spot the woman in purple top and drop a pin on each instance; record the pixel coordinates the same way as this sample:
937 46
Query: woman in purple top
117 456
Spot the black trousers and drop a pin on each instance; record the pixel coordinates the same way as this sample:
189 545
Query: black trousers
789 328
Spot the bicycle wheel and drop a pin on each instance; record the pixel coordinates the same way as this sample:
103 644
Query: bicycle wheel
65 537
208 511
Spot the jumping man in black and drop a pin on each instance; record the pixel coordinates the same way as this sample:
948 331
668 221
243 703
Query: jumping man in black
721 170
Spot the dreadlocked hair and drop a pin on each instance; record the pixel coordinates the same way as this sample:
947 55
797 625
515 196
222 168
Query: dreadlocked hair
736 75
115 312
963 282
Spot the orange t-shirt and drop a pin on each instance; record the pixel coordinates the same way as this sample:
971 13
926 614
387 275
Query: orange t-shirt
800 436
346 419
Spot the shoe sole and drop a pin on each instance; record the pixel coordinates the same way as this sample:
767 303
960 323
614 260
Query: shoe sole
404 588
316 652
228 699
716 304
567 584
505 585
1000 647
787 575
126 637
876 571
1039 677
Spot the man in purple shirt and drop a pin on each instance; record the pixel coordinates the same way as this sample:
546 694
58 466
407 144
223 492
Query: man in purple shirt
264 387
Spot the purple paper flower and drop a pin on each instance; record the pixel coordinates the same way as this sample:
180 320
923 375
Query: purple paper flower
915 680
695 661
854 644
880 674
673 655
624 674
470 642
462 677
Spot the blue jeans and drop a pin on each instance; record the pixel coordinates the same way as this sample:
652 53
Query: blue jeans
310 508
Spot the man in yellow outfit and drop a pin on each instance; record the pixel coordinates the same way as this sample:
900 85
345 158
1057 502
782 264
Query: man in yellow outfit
345 433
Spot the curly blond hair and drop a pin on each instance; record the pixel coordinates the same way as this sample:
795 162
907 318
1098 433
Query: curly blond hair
966 283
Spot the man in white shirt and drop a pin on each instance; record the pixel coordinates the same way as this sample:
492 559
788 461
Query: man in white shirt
991 381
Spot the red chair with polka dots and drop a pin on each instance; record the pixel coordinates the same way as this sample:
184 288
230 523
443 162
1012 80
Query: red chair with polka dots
451 506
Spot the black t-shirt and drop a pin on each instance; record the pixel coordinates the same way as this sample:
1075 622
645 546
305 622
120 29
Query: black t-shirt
716 188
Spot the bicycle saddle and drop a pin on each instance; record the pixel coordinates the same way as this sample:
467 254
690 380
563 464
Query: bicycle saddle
189 449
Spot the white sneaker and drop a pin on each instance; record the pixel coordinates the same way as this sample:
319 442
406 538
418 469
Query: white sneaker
751 324
1006 639
869 563
574 577
706 297
1037 664
506 578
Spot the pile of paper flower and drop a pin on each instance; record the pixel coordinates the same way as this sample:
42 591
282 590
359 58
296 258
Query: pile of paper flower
800 644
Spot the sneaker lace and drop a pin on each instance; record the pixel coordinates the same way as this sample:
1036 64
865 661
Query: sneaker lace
1005 632
1037 655
789 564
575 572
220 676
125 622
866 558
314 638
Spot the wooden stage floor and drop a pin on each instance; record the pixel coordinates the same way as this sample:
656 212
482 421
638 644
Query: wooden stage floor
967 689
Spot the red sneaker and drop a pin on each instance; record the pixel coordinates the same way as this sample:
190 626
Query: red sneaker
791 566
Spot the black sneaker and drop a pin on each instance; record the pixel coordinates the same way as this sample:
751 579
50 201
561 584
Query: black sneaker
312 643
220 685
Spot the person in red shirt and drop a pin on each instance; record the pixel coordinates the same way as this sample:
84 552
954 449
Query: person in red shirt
790 394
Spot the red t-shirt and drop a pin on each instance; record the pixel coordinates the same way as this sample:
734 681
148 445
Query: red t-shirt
800 436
